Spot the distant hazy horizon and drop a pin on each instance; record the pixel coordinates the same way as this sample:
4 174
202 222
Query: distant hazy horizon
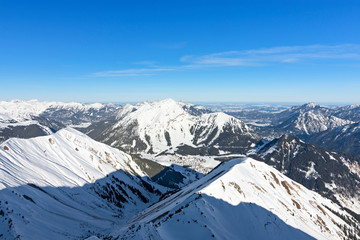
205 103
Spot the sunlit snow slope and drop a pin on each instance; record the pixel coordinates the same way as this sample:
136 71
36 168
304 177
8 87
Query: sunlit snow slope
241 199
68 186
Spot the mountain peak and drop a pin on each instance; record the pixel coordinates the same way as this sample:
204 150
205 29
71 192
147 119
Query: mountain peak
168 101
153 127
311 105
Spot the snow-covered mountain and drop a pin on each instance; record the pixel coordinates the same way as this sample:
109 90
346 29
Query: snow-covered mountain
349 112
342 139
26 119
309 119
302 121
65 113
154 127
333 175
68 186
242 199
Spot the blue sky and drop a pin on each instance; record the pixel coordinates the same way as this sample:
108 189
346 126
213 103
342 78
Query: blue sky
239 51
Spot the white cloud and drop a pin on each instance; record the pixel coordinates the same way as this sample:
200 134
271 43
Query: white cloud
133 72
252 57
275 55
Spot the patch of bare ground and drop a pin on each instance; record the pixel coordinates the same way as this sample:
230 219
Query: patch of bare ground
275 178
287 208
297 185
252 165
322 210
237 187
258 188
287 186
320 222
222 185
272 185
296 204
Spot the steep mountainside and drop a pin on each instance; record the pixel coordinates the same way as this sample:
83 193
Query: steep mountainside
302 121
154 127
342 139
242 199
333 175
68 186
350 112
310 123
309 119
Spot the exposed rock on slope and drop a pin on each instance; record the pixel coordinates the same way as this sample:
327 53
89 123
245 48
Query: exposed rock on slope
333 175
242 199
342 139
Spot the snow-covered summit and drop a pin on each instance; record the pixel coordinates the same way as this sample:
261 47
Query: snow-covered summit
160 125
310 105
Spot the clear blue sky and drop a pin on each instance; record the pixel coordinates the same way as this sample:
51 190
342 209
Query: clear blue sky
247 51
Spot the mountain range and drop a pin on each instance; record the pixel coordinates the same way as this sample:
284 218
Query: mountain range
156 127
174 170
26 119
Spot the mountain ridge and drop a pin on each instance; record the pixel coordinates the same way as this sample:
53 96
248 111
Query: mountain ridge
154 127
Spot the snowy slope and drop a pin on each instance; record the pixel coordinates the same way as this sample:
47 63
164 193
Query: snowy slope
342 139
309 119
68 186
350 112
241 199
26 119
311 122
153 127
304 121
154 119
333 175
16 119
22 110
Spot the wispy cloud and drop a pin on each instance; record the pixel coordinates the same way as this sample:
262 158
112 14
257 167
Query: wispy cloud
147 63
275 55
133 72
252 57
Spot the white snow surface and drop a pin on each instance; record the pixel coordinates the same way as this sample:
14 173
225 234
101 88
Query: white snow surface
313 122
66 153
20 110
240 199
48 187
158 118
